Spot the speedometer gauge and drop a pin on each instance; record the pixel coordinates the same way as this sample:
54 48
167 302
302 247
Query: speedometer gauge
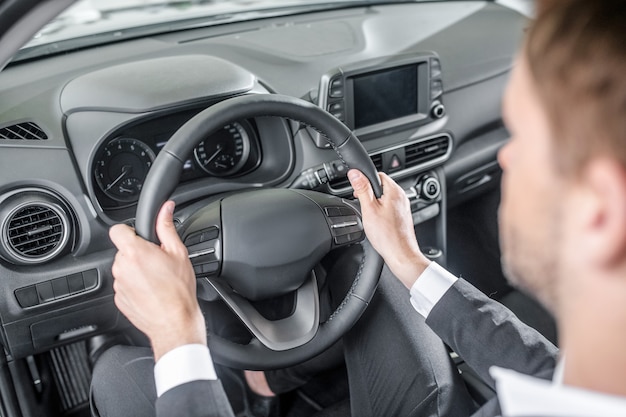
225 152
121 168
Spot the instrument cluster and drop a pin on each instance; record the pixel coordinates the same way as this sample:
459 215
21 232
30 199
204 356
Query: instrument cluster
123 160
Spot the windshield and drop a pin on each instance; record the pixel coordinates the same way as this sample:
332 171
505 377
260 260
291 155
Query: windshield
92 22
89 17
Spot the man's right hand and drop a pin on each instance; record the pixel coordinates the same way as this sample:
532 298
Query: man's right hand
389 226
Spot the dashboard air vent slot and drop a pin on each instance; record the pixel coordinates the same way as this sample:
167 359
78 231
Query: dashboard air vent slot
426 151
35 229
378 161
23 131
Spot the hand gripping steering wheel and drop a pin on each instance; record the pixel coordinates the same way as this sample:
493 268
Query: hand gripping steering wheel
261 244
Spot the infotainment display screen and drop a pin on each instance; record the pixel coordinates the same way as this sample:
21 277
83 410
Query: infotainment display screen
385 95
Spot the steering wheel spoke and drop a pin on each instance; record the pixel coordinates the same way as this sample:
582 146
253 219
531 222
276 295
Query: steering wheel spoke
278 335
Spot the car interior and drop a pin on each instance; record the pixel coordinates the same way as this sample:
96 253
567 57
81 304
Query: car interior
253 106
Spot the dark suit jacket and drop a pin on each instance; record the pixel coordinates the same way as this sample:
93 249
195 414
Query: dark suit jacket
195 399
479 329
484 333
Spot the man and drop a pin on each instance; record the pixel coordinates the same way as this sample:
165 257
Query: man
563 238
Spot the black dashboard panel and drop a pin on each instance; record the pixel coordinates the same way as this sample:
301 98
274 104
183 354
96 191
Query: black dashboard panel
144 89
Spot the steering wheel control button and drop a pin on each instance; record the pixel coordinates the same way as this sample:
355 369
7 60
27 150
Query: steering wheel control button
203 251
345 225
344 211
332 211
202 236
208 268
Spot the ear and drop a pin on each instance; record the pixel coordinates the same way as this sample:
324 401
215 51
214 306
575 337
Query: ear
604 212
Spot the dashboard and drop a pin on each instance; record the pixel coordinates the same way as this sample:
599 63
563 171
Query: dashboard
419 84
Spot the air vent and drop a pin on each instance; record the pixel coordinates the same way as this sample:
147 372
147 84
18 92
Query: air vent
378 161
35 230
421 152
23 131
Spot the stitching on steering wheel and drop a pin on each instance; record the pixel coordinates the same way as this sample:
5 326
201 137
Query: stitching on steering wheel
351 290
332 145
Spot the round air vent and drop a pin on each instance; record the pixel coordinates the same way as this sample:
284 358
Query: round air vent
35 228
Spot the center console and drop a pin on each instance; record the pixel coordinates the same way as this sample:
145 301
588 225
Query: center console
388 104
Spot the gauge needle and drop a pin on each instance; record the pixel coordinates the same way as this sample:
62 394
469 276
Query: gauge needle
125 170
217 152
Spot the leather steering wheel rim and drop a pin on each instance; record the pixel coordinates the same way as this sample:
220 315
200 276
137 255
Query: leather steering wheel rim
164 176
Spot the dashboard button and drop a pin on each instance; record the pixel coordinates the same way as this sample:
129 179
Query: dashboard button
75 283
436 89
45 292
335 107
60 288
435 68
336 92
90 279
338 115
27 297
336 83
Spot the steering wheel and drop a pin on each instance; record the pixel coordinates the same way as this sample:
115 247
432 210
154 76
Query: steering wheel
261 244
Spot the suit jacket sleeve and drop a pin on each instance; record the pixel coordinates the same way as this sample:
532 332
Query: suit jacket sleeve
195 399
485 333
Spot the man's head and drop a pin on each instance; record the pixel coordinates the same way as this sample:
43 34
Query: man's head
565 166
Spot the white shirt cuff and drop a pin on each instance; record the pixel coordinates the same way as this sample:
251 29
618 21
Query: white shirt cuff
430 287
181 365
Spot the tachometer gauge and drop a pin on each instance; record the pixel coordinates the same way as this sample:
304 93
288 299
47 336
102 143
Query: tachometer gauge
121 168
225 152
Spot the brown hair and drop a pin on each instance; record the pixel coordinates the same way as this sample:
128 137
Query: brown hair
576 50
